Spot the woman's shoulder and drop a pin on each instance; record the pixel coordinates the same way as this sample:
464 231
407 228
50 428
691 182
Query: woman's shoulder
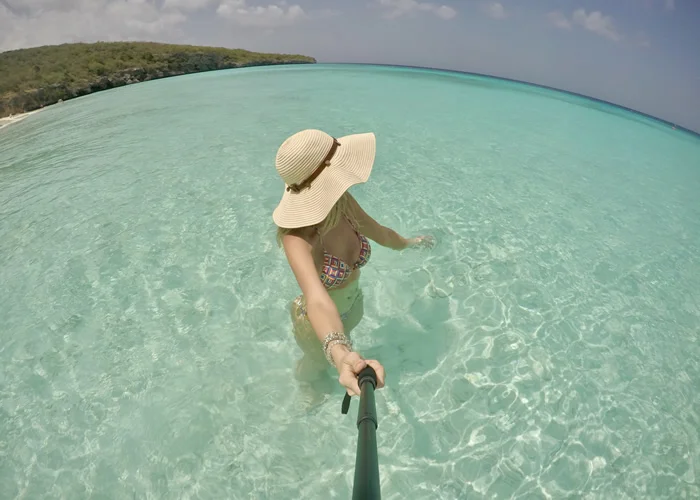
303 238
361 218
302 251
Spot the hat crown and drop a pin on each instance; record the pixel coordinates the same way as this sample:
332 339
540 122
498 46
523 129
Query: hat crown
301 154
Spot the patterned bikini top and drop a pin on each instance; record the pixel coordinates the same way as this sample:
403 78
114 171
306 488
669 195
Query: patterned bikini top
335 272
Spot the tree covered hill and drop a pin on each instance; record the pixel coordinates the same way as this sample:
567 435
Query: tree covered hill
36 77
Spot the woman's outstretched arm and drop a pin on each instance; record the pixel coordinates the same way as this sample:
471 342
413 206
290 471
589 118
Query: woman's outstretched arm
383 235
323 314
321 310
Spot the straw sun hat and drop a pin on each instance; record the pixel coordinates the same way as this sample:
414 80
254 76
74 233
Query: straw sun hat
317 169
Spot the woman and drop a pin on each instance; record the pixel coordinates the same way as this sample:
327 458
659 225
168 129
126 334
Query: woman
325 234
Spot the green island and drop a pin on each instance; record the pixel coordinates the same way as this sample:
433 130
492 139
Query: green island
33 78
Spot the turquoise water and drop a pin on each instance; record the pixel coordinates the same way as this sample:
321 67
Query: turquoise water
546 348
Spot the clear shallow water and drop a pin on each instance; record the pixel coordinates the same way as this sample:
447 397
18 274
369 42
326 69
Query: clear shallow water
546 348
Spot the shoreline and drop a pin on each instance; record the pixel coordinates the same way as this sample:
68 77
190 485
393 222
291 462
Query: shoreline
9 120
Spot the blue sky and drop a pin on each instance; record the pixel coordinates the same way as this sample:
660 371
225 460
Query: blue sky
642 54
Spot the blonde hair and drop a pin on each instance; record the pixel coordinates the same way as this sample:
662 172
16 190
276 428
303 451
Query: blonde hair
341 209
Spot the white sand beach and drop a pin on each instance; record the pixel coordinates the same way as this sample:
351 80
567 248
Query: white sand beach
8 120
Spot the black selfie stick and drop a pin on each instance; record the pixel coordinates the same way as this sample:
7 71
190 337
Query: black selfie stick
366 484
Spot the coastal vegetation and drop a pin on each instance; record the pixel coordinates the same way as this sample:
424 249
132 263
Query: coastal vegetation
40 76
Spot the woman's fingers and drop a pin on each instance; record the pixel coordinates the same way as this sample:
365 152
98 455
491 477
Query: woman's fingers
379 370
349 381
428 241
423 241
351 367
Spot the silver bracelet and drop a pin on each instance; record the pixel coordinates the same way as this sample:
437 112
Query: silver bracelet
332 336
331 340
329 354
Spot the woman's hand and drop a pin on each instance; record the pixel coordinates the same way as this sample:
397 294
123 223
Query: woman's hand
422 241
350 366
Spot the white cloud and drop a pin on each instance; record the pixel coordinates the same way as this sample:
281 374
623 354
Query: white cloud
559 20
597 23
670 4
28 7
187 5
29 23
399 8
268 16
495 10
445 12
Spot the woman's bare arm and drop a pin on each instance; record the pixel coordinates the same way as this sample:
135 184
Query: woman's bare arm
320 308
324 316
383 235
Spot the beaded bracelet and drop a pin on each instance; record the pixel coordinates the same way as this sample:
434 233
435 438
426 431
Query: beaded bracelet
331 340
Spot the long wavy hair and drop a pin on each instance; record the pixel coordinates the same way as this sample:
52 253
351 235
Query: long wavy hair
341 209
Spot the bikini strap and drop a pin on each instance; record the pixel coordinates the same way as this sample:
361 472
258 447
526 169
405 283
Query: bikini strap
353 225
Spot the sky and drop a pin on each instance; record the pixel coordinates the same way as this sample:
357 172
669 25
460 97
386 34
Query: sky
642 54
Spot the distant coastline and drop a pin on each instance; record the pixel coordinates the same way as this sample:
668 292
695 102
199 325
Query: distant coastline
41 76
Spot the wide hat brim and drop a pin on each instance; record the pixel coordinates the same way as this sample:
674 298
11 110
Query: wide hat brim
351 164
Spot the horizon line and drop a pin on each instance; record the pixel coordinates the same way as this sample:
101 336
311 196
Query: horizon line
675 126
